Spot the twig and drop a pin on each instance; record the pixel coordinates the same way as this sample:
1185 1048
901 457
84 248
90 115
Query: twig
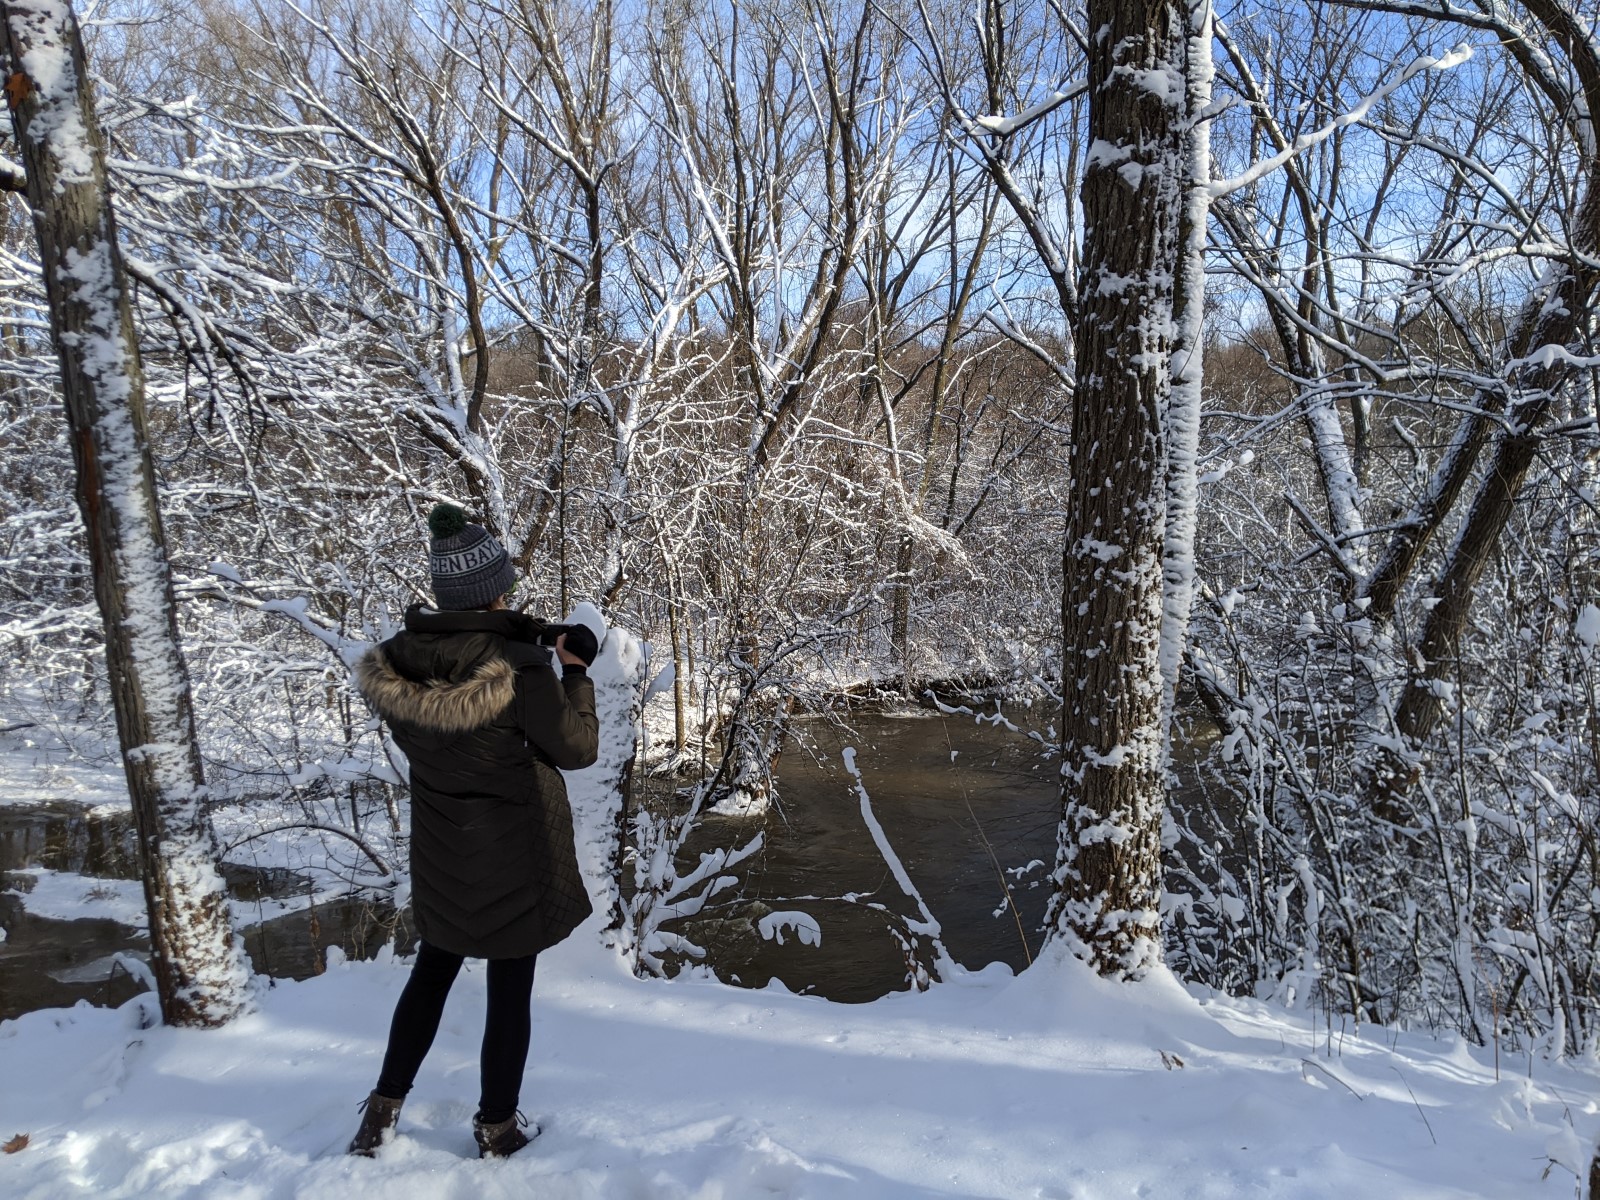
1011 901
1311 1062
1413 1096
1335 551
377 861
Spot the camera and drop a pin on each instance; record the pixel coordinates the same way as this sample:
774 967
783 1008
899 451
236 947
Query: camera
530 629
547 634
580 638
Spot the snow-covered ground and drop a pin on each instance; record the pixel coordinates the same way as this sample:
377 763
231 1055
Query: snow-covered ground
46 756
1052 1084
68 896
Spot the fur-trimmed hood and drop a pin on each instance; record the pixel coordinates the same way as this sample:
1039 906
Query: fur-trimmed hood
437 705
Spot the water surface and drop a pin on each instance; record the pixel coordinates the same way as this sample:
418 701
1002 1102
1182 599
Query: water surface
969 807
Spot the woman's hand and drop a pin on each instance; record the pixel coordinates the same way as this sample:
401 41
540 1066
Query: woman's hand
565 655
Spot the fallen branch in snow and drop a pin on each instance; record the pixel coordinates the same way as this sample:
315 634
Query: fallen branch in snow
995 718
929 926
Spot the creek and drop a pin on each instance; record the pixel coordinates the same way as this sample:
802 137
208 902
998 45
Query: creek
969 807
52 961
965 806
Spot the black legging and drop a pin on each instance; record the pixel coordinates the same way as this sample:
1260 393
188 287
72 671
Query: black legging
507 1027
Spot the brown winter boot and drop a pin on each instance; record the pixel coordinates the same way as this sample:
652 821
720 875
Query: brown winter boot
379 1116
503 1138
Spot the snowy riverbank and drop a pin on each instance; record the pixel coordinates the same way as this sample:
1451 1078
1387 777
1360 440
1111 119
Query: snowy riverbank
1052 1084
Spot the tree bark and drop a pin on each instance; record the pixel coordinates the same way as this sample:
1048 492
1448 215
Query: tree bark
1108 864
200 974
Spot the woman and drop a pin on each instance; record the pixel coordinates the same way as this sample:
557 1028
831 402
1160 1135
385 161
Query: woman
477 705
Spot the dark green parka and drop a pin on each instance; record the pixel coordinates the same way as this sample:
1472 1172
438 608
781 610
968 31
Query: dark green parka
485 720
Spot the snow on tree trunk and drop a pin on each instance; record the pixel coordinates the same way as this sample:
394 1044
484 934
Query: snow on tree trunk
199 967
1108 862
1335 463
599 793
1188 374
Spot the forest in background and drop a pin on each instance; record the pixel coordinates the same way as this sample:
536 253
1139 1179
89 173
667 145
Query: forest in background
755 326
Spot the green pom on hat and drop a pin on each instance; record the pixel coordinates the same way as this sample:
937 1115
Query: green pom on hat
446 520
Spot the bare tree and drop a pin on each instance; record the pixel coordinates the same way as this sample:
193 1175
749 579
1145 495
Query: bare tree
1549 334
200 975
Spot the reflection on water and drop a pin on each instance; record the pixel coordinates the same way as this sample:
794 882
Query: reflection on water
48 963
294 946
45 963
69 837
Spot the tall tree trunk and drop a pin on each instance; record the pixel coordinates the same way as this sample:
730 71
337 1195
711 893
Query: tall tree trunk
199 969
1108 863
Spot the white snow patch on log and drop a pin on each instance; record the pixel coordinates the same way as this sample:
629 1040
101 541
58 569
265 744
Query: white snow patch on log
805 927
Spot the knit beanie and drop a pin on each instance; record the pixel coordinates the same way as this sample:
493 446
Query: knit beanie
470 568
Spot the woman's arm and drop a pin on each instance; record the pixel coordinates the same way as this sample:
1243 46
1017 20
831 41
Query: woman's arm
557 714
